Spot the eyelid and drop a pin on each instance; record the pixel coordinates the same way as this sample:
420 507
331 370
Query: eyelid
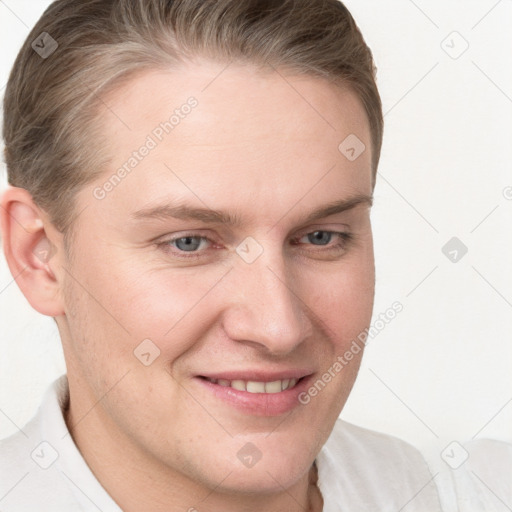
328 227
345 236
324 225
165 244
184 234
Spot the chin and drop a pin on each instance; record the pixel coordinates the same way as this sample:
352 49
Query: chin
268 467
264 478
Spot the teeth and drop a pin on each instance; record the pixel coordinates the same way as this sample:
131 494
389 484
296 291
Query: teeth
257 387
273 387
238 384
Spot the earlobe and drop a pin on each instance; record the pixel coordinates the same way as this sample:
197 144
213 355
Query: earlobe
30 245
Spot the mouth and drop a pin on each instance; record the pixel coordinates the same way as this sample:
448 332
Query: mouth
257 394
252 386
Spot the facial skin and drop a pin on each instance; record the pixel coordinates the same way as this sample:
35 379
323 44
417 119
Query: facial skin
265 151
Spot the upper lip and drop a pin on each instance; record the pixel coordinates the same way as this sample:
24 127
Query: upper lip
258 375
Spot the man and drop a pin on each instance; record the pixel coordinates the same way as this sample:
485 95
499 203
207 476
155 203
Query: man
190 192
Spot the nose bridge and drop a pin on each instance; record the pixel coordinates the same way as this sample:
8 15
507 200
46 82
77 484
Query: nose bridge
265 309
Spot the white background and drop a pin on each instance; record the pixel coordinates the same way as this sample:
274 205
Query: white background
441 370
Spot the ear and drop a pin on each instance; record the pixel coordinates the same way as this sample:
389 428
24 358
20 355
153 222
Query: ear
30 244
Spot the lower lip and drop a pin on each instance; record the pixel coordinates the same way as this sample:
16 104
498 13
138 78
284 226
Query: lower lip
258 404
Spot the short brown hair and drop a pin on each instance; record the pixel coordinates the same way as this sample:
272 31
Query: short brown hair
50 101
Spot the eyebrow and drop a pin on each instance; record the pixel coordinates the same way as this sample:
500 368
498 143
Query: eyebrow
339 207
207 215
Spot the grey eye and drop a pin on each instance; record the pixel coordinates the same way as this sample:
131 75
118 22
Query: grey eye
188 243
319 237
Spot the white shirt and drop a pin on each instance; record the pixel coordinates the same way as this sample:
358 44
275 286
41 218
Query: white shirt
41 469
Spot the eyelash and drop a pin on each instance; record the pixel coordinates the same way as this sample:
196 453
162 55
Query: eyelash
344 239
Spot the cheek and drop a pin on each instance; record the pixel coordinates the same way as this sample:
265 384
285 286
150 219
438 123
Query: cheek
342 298
171 307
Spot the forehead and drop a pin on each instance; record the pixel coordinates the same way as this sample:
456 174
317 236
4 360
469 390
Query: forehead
235 99
212 128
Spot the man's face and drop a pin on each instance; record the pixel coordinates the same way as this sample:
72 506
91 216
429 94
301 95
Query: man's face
209 249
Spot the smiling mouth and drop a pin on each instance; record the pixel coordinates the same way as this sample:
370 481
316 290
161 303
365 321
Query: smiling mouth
276 386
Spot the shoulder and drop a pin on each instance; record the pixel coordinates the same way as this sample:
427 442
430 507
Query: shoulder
15 451
482 477
22 459
30 473
369 446
374 471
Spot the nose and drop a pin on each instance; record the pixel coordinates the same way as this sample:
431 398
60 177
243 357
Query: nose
263 308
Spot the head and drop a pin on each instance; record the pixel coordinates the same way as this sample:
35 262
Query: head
190 192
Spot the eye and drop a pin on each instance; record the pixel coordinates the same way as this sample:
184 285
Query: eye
189 243
324 242
318 237
323 237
